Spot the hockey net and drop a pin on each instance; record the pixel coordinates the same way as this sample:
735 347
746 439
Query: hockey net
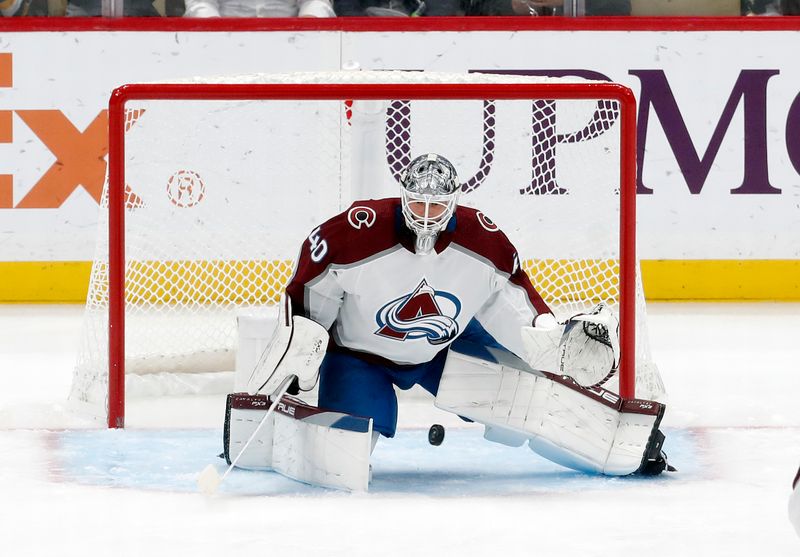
214 184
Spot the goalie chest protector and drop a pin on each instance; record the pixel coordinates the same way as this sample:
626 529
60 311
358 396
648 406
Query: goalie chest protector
359 274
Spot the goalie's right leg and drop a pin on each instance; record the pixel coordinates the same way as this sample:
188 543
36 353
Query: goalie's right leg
306 443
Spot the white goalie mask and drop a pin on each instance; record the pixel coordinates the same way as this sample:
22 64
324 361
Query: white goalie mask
429 197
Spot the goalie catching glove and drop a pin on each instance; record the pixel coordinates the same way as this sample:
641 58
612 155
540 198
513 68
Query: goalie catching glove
585 347
297 347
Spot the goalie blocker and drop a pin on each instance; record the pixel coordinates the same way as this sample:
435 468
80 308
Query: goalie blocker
297 347
586 429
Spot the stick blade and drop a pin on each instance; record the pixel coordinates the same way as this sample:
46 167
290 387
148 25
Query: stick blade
208 481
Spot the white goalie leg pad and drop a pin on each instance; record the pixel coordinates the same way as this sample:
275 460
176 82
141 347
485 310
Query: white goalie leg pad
296 348
243 414
302 442
585 429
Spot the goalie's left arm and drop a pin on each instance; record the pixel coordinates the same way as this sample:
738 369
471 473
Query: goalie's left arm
515 302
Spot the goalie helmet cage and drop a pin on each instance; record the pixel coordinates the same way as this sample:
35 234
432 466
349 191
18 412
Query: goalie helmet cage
119 285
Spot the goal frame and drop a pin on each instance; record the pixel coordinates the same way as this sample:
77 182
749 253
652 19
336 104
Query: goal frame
337 91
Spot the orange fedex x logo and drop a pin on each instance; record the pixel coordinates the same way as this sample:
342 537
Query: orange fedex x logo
80 154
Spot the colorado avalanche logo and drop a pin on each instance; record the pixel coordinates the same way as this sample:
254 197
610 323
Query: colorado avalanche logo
425 313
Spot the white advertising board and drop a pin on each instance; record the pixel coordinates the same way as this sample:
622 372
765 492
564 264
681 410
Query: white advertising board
56 112
719 118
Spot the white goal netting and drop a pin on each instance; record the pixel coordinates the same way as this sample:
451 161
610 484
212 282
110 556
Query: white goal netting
219 194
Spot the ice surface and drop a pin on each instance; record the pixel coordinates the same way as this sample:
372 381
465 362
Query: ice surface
733 429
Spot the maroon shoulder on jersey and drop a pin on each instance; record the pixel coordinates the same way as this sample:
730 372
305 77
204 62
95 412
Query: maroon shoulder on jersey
367 228
479 234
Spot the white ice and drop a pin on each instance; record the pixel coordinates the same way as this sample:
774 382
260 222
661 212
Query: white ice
733 430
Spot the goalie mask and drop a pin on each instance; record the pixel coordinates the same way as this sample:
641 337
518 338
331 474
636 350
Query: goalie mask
429 196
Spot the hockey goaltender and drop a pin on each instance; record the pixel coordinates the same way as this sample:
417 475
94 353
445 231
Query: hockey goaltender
418 290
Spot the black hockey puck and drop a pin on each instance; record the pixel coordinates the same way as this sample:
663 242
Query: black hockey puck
436 435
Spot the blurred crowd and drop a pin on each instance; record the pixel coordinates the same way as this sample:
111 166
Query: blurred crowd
392 8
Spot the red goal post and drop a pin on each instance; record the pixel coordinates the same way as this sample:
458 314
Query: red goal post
119 196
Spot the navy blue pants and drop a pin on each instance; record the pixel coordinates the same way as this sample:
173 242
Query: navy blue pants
354 386
351 385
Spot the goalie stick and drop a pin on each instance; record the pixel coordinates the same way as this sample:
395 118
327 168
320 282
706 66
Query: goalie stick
209 479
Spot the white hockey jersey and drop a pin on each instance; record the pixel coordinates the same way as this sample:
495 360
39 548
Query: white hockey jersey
359 276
